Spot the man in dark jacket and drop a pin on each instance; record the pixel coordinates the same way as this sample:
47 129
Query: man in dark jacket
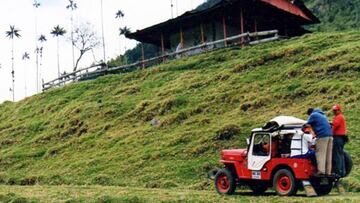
339 133
324 143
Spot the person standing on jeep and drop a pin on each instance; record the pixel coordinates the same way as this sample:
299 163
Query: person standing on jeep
324 143
340 138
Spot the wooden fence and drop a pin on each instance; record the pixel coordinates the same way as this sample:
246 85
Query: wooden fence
97 70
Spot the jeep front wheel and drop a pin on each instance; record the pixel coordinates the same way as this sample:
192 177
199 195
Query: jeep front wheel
225 182
284 183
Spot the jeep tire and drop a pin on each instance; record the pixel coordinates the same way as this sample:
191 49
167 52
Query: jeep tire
284 183
225 182
322 188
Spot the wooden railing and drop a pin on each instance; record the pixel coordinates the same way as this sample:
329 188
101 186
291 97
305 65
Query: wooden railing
102 69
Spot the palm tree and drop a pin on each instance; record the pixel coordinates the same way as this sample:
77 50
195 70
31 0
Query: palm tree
119 14
36 5
58 32
124 31
102 30
41 39
13 32
72 6
25 57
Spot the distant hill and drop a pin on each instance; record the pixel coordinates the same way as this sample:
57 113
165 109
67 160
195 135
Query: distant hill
335 14
165 126
207 4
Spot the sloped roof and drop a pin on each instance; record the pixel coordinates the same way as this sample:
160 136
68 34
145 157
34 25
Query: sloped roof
294 7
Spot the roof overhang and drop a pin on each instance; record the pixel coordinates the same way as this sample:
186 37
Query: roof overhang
296 8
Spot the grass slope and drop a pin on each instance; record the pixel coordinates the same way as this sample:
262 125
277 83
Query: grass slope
110 194
99 132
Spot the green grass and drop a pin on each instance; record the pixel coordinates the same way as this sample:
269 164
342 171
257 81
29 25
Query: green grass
110 194
99 132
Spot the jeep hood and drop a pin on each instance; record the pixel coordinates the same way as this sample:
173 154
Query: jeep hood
233 154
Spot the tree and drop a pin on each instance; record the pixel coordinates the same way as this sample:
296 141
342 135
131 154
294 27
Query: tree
72 6
25 57
11 34
207 4
42 39
119 14
102 30
85 39
57 32
124 31
36 5
335 15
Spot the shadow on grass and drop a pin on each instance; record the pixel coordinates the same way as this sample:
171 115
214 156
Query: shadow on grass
267 194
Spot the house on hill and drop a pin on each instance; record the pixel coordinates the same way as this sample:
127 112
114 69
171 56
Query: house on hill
225 19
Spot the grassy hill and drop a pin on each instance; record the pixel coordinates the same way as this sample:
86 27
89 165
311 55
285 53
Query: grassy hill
100 132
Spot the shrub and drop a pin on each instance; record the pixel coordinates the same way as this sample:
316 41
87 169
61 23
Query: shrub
227 132
13 181
102 180
169 184
170 103
29 180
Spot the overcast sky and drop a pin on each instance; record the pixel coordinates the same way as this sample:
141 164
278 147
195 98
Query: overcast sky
21 13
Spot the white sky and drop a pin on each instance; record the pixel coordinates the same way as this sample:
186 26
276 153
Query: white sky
138 14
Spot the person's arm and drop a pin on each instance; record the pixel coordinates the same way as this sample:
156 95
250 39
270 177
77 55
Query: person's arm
336 123
311 120
313 134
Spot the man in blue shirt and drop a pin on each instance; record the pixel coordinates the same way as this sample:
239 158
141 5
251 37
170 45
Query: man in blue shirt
324 143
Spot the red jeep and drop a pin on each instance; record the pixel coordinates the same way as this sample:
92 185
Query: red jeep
267 162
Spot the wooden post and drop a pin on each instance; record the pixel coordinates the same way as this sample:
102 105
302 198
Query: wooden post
202 33
181 38
143 55
255 25
255 28
241 26
225 31
162 47
241 21
162 44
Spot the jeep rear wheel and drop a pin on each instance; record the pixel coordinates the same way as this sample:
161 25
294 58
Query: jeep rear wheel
225 182
322 188
284 183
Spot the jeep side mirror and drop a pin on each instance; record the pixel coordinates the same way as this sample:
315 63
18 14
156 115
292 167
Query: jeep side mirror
247 141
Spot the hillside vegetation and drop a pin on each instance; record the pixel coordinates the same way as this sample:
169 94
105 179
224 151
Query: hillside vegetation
101 132
335 14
